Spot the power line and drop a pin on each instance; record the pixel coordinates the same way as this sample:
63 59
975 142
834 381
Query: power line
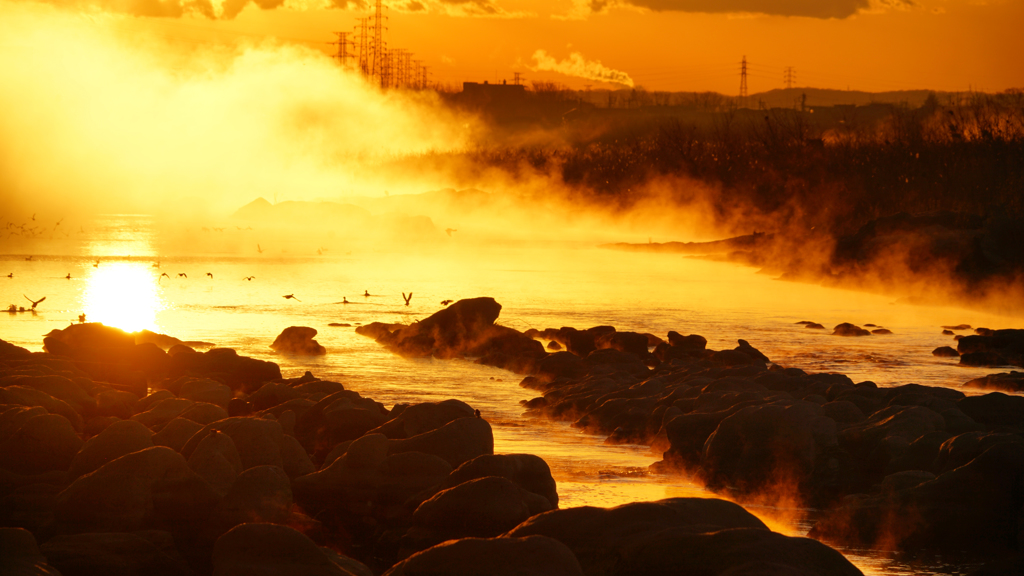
788 77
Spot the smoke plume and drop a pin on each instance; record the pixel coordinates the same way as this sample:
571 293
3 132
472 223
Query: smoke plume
576 65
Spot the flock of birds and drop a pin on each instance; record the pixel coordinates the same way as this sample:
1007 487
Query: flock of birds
32 229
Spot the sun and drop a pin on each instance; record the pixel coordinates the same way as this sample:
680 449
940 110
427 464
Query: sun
123 295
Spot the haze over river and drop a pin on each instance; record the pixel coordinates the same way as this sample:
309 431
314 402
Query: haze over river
539 286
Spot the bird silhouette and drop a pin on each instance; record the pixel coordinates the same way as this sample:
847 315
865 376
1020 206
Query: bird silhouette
449 231
11 275
344 300
180 274
446 302
407 298
156 264
164 275
81 318
210 274
291 297
34 302
259 249
319 252
68 277
249 278
96 264
28 259
366 293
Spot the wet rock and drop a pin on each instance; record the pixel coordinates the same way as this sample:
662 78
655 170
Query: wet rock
963 448
526 471
599 537
258 440
339 417
994 348
945 352
957 327
561 365
162 412
21 555
298 340
994 409
847 329
224 364
484 507
554 346
260 493
881 331
423 417
535 555
176 433
142 553
216 460
294 458
814 326
976 506
749 350
693 342
762 446
118 439
204 413
205 390
59 387
261 548
457 442
27 396
151 488
43 443
1006 381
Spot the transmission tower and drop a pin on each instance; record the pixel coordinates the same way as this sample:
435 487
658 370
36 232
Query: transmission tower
377 64
743 78
342 43
517 79
364 45
789 77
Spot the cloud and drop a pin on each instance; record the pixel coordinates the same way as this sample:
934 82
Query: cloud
229 9
805 8
576 65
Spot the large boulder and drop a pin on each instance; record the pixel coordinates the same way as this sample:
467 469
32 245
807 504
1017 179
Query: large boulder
424 417
151 488
216 460
43 443
534 555
261 493
259 440
759 447
20 555
261 549
457 442
144 553
484 507
298 340
116 440
526 471
599 537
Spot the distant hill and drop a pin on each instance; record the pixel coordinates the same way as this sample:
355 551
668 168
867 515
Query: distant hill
788 97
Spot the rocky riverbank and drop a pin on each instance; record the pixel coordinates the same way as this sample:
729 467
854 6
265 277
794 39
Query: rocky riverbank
120 457
908 468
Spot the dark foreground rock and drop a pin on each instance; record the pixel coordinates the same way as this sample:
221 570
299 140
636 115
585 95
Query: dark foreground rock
298 340
1006 382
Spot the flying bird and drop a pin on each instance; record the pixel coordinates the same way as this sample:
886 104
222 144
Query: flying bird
449 231
210 274
259 249
164 275
180 274
249 278
34 302
407 298
291 297
97 264
446 302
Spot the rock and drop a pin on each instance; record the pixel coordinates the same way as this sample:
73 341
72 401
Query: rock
534 555
205 390
424 417
1006 381
692 343
847 329
763 446
555 346
260 549
456 442
118 439
599 537
948 333
337 418
295 460
995 347
298 340
881 331
20 555
204 413
224 364
994 409
561 364
814 326
151 488
216 460
176 433
59 387
945 352
260 493
142 553
162 412
43 443
484 507
525 470
957 327
27 396
258 440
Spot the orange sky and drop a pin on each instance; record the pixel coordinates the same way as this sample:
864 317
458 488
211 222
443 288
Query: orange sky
889 45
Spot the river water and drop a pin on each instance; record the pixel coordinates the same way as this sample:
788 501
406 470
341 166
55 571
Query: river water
117 264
